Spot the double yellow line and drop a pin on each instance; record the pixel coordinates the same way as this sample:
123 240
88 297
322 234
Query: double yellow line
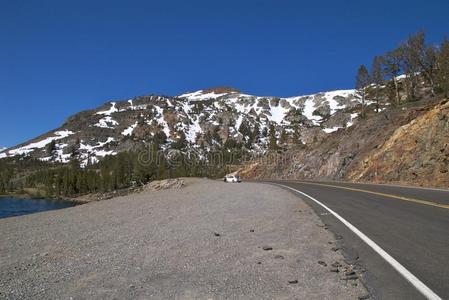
419 201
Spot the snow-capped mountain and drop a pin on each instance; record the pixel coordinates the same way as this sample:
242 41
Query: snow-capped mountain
207 119
2 149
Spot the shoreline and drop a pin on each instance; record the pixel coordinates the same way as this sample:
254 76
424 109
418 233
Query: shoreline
32 197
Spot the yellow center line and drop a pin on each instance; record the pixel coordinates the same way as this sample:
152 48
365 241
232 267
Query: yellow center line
419 201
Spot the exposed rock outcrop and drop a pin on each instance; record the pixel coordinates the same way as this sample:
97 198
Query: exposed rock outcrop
416 153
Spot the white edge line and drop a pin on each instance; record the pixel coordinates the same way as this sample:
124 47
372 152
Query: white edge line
418 284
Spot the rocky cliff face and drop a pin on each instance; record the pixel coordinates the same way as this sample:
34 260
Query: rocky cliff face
405 145
416 153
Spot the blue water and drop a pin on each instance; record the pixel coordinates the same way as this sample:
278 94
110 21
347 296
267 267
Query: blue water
10 207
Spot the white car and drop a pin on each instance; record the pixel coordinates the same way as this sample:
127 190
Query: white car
232 178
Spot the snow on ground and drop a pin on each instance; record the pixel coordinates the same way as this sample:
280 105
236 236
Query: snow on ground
199 95
351 122
309 108
106 122
108 112
333 104
239 122
277 114
193 130
38 145
59 155
129 130
330 130
90 154
161 121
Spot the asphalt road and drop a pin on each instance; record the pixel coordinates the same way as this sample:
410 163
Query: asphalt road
410 224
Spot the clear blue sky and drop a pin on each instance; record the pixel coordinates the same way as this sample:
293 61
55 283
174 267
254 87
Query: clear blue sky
60 57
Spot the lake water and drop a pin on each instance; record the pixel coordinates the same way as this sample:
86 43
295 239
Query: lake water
10 206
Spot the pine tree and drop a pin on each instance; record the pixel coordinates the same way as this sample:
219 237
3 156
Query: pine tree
181 141
296 136
244 129
265 132
362 82
255 133
272 141
283 138
411 52
51 148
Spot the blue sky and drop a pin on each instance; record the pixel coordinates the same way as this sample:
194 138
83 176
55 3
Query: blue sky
60 57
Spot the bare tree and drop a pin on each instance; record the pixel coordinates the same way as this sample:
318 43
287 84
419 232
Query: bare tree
430 66
442 74
392 69
377 77
362 81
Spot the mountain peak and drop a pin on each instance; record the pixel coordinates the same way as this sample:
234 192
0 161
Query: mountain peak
221 90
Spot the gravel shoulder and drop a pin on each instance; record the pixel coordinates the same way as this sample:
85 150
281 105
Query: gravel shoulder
204 241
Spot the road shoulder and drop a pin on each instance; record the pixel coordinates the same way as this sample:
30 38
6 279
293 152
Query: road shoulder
206 240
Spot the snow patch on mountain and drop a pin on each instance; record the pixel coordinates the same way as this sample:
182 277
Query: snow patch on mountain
111 110
200 95
106 122
59 155
38 145
91 153
161 121
128 131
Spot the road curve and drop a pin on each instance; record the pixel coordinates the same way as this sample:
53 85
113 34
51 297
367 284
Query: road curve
411 224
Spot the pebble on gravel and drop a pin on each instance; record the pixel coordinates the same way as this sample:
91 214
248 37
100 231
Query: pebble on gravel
293 281
217 234
336 264
267 248
335 270
352 277
349 273
320 262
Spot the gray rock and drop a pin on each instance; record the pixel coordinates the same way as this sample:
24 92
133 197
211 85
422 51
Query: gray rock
335 270
324 264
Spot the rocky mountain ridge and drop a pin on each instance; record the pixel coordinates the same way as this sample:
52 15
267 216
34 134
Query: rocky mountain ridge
202 120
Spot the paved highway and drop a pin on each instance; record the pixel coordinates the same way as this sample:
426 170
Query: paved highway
410 224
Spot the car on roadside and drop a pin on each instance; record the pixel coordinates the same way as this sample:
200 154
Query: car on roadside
232 179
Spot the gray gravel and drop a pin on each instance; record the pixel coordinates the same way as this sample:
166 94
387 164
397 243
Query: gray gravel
204 241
